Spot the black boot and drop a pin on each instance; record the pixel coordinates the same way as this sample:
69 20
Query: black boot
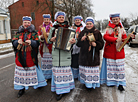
120 87
111 86
21 92
89 89
59 97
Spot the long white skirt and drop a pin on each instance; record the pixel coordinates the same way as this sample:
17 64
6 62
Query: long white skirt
62 80
46 65
113 72
89 76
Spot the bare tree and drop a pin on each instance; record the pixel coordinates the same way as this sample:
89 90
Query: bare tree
105 23
71 7
43 6
133 18
97 24
125 22
76 7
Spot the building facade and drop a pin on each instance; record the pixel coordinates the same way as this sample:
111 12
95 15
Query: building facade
33 8
5 32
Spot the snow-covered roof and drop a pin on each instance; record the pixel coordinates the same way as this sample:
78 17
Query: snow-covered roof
3 13
2 10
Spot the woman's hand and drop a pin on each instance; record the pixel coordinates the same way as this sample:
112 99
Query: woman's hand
118 40
47 34
72 41
20 41
53 39
83 38
28 41
93 44
132 35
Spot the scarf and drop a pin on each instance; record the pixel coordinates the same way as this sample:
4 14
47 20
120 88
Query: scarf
78 28
113 25
47 29
47 26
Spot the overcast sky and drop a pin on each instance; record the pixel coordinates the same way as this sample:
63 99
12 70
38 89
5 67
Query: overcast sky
103 8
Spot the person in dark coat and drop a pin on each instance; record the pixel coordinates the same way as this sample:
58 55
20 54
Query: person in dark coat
89 58
27 71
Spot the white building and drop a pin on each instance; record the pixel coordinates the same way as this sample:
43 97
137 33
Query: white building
5 32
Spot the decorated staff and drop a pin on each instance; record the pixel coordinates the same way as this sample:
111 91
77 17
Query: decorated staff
112 70
78 26
45 48
89 67
27 70
62 78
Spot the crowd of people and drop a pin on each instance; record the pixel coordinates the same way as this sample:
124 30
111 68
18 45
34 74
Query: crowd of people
62 67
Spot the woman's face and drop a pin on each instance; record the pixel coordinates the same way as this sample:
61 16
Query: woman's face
89 25
77 21
115 20
60 19
46 21
26 24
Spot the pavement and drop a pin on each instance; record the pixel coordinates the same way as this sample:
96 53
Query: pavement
80 93
6 48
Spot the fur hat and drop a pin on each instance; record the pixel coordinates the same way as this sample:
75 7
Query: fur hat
59 14
46 16
27 18
78 17
89 19
114 15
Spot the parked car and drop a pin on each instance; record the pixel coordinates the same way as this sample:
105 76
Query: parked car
134 29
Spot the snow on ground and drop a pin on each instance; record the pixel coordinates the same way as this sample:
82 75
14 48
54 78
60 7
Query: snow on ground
5 47
112 94
131 67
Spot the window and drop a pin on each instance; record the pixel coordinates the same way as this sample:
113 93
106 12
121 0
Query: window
130 30
4 26
136 29
1 27
33 15
22 4
37 2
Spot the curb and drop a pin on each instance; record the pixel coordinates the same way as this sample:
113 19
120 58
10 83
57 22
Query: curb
6 52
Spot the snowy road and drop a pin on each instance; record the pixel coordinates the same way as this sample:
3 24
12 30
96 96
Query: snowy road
111 94
80 93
